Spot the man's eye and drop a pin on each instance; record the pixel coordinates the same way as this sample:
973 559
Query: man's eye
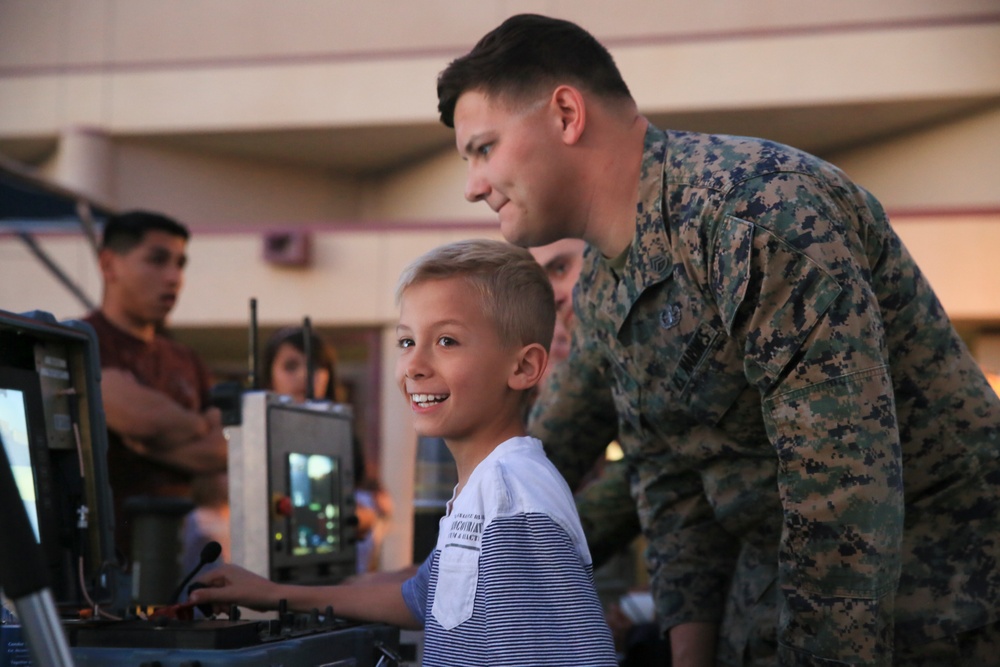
485 149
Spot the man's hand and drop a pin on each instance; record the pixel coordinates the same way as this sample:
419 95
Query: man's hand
693 644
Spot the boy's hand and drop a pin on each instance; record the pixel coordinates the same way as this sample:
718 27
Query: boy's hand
230 584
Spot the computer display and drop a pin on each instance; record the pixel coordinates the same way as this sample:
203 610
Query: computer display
14 435
53 431
313 484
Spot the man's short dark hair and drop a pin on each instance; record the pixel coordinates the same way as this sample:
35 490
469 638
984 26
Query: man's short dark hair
524 54
124 231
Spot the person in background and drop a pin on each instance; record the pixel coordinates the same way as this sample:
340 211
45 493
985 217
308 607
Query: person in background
510 580
603 499
284 372
814 447
162 437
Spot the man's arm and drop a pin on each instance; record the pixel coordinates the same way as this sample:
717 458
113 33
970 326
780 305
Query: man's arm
202 456
155 426
816 351
137 411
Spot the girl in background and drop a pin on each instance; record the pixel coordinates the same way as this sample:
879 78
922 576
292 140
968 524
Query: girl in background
284 372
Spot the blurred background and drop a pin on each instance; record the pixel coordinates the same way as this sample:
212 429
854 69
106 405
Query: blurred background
300 143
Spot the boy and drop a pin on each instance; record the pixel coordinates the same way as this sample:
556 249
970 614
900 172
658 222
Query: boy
510 579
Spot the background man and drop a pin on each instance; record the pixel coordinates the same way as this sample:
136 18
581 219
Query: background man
815 449
161 436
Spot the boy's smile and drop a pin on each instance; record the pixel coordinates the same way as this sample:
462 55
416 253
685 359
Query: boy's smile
452 367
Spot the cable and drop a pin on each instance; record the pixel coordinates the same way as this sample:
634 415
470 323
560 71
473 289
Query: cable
86 595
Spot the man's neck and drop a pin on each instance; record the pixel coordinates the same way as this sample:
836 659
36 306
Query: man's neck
612 219
145 331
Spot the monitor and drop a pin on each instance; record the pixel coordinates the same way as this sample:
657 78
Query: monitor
15 439
53 430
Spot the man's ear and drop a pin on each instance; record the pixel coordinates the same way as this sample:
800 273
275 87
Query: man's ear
571 112
105 260
531 361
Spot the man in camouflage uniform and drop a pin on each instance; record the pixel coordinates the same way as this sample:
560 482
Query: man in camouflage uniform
814 451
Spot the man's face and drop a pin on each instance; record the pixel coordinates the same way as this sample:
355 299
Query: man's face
144 282
562 262
515 165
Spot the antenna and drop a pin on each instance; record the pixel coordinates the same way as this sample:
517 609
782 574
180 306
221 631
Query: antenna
307 339
254 377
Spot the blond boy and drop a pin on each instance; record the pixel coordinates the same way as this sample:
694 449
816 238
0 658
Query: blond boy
510 579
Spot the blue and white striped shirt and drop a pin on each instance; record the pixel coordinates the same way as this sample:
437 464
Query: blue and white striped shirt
510 581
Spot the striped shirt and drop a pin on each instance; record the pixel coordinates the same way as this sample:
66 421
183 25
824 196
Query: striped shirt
510 581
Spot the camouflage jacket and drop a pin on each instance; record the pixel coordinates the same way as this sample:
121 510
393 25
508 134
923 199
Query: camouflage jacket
815 450
607 513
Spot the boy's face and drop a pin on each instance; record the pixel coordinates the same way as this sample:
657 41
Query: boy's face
452 368
145 282
514 165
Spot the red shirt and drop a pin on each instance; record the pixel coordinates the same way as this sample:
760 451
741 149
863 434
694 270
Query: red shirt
168 367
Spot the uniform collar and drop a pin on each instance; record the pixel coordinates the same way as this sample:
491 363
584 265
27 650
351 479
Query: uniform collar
650 258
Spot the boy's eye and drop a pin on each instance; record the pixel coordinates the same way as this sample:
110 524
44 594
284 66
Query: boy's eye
405 342
447 341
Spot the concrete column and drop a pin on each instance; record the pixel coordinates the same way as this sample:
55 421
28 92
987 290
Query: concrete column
84 163
398 460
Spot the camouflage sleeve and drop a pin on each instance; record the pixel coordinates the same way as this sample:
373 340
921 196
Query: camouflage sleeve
607 512
574 415
792 281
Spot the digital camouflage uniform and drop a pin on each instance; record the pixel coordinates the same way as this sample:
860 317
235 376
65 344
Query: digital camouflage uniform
815 450
607 512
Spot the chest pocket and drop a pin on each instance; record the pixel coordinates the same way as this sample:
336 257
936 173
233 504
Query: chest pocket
684 366
709 374
455 593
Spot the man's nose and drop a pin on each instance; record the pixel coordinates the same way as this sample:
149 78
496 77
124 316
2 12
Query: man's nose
175 274
476 187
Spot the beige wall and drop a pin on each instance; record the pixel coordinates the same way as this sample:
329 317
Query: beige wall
949 165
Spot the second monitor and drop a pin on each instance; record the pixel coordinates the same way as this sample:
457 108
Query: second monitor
291 489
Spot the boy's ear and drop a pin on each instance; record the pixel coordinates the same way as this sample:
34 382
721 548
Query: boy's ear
571 112
530 367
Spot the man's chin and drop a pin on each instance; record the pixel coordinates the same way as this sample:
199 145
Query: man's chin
520 235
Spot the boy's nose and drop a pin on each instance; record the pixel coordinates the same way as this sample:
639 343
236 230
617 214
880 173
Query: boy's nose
415 367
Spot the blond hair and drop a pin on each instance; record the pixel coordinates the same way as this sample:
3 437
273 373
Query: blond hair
515 293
